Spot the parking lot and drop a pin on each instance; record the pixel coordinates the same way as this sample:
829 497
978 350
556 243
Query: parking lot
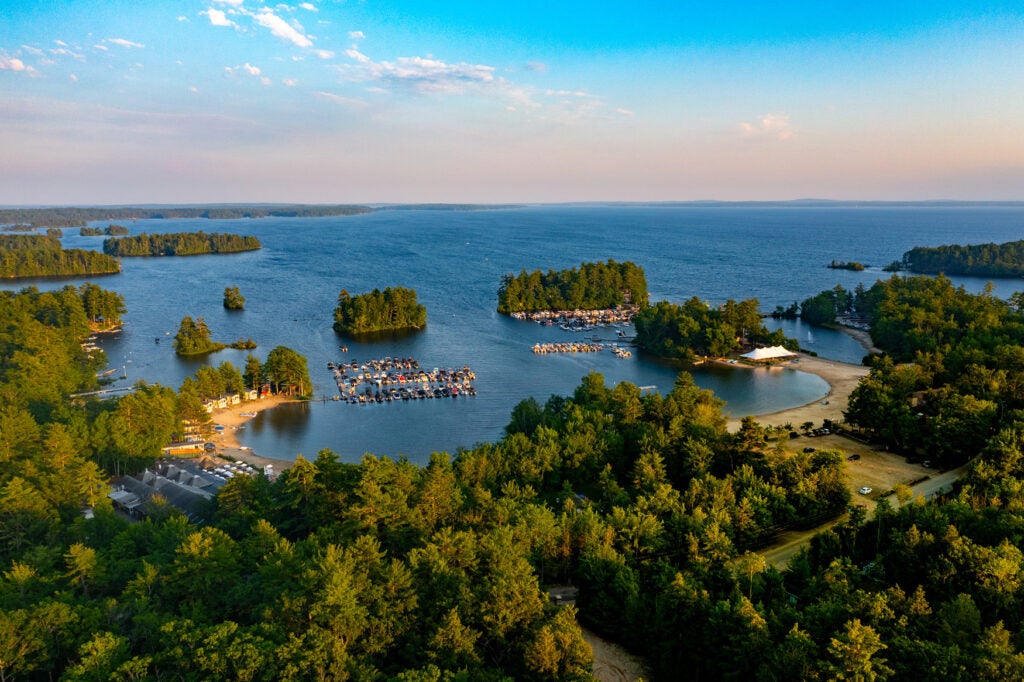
877 469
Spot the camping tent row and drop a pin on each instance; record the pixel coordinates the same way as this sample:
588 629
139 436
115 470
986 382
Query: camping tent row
770 353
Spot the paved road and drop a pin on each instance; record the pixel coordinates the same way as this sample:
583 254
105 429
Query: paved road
790 542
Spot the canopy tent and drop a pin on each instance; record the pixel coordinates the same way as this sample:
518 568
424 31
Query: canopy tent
770 353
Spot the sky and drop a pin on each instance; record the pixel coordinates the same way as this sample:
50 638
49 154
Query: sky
360 101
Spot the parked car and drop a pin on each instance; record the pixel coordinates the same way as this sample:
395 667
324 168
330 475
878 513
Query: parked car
853 458
808 449
865 491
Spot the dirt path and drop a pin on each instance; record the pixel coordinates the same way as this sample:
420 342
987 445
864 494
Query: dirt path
612 663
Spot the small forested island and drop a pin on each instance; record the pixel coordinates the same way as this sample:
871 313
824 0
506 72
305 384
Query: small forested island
193 338
28 255
233 299
594 286
394 309
977 260
847 265
180 244
109 230
78 217
696 329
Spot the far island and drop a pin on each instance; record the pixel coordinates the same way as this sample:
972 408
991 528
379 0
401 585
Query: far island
193 338
180 244
394 309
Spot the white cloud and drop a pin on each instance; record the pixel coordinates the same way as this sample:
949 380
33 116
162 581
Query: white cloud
233 3
244 69
567 93
32 50
11 64
323 54
265 80
290 82
775 126
537 67
357 55
218 18
183 18
356 35
101 47
73 78
124 43
60 42
309 6
281 28
194 90
423 75
251 70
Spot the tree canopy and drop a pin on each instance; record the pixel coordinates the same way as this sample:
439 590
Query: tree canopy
594 286
179 244
393 309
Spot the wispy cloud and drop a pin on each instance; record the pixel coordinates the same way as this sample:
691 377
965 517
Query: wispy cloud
356 35
324 54
349 102
281 28
309 6
420 74
536 67
774 126
124 43
244 69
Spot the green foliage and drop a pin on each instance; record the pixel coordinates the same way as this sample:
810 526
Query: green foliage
233 299
977 260
180 244
288 372
393 309
595 286
42 256
685 331
193 338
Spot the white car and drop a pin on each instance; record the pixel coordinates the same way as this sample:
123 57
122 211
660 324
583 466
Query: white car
865 491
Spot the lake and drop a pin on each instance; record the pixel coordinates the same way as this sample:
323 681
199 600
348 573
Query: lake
455 261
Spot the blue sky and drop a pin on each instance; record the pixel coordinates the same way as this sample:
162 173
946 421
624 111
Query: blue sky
364 101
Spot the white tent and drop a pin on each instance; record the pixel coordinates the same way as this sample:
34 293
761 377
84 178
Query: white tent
768 353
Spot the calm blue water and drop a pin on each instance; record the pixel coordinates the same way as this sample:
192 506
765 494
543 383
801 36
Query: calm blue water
455 260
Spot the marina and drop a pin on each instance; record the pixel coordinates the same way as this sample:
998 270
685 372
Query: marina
398 379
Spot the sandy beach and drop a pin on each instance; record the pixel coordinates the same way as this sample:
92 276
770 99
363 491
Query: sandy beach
235 417
841 377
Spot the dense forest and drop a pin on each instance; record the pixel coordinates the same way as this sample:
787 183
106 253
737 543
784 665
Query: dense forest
42 256
78 217
594 286
974 260
393 309
693 329
180 244
646 503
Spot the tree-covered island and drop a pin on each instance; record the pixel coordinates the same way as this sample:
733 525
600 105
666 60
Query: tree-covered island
28 255
180 244
233 299
193 338
972 260
594 286
394 309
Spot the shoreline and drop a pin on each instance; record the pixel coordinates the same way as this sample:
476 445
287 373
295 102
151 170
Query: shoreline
841 377
236 417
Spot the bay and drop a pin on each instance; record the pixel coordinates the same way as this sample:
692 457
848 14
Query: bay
455 261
